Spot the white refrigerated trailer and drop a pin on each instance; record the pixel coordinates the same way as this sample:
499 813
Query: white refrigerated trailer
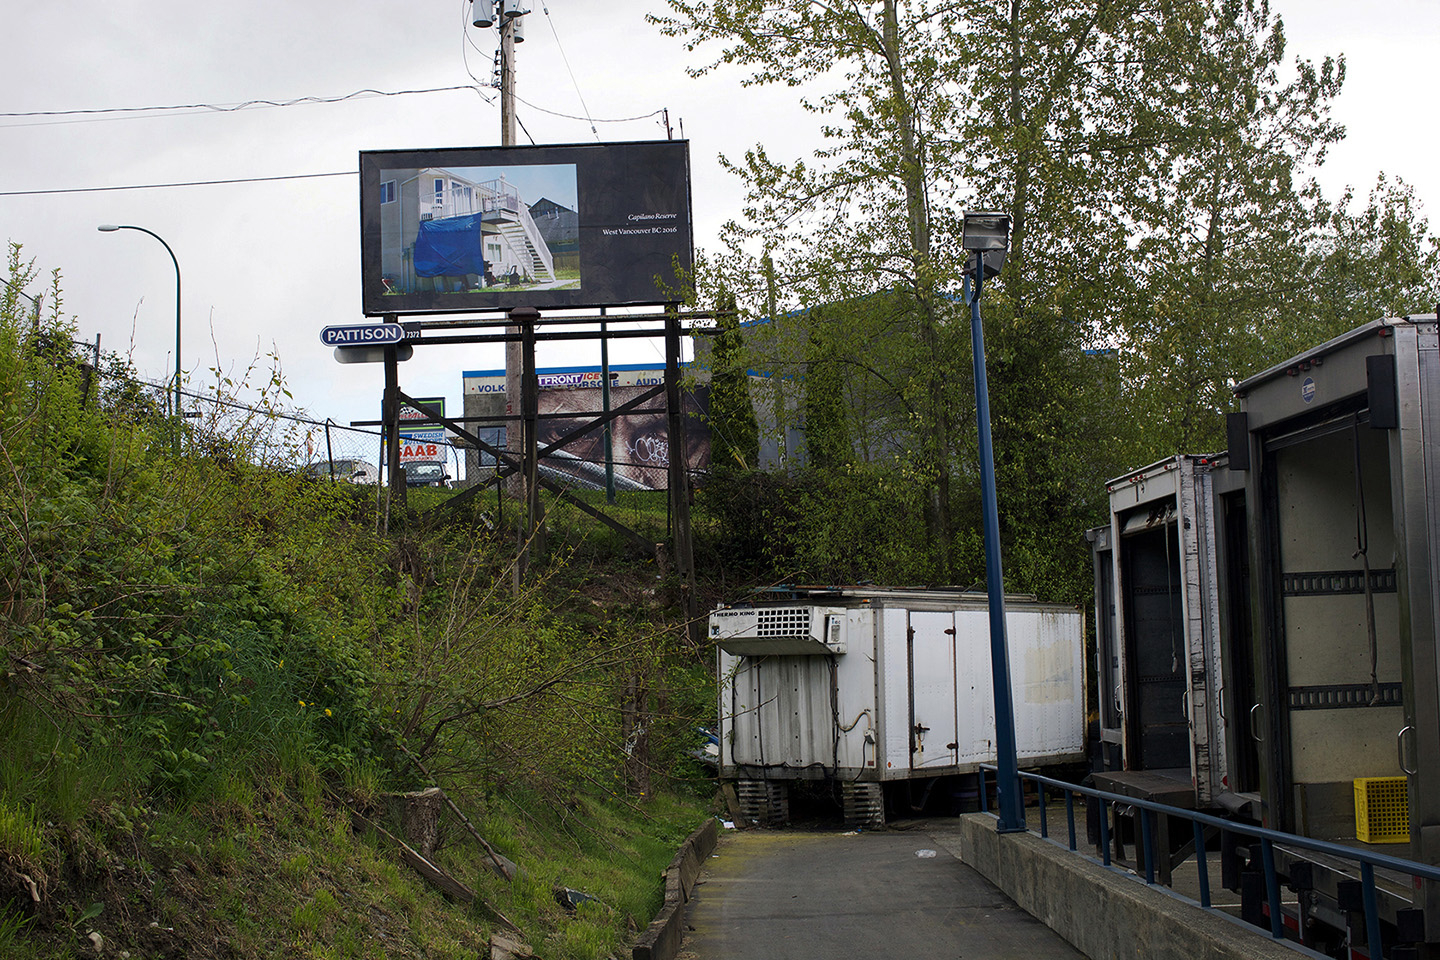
868 687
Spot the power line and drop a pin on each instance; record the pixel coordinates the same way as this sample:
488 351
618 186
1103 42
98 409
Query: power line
139 113
182 183
19 291
465 60
592 120
575 83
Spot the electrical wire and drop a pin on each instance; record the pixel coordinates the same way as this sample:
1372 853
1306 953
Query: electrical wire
89 115
593 120
465 60
19 291
566 60
181 183
468 42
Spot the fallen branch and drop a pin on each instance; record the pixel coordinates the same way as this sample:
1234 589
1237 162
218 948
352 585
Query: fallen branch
502 865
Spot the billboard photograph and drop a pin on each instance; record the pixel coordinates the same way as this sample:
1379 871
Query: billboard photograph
640 441
569 398
490 228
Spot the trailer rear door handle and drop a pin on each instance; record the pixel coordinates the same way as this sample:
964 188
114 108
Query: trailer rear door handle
1400 748
1254 728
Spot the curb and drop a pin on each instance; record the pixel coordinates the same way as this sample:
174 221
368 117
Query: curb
1104 913
661 940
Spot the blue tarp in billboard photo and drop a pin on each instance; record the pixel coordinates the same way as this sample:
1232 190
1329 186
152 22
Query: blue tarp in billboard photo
451 247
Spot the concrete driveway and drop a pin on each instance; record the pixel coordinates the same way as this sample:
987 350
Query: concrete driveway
790 895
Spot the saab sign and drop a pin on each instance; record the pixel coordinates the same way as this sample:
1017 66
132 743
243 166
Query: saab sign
362 335
422 451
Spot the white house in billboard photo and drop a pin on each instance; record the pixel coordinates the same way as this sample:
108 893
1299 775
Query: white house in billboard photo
443 232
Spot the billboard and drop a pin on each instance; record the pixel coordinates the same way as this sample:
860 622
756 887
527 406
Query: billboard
422 441
490 228
640 441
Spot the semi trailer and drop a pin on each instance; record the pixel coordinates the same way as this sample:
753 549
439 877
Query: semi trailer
873 690
1266 628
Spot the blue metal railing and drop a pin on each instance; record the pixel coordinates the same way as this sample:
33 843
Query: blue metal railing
1366 860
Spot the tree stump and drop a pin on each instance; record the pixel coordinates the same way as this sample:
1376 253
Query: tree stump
418 814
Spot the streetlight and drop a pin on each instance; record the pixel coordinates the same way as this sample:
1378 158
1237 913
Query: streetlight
111 228
987 237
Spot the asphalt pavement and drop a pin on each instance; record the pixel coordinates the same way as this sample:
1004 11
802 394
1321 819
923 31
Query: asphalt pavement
794 895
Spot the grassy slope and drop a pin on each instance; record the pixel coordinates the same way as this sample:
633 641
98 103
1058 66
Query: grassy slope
208 667
272 856
282 871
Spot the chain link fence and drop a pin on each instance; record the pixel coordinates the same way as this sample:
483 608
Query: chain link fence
263 431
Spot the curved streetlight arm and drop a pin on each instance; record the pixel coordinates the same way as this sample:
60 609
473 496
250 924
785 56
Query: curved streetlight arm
111 228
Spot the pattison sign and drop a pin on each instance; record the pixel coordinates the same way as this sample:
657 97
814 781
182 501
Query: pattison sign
362 334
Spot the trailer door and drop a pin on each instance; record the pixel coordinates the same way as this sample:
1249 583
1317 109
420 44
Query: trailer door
1157 730
933 703
1332 645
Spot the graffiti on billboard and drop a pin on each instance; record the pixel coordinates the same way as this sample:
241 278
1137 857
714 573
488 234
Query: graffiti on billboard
640 440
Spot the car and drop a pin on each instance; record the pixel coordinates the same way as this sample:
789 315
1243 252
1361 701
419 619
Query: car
347 471
425 474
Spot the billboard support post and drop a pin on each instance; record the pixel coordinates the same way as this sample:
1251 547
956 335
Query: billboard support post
395 495
606 435
533 536
679 473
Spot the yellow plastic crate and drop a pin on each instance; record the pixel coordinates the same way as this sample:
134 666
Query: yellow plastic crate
1382 810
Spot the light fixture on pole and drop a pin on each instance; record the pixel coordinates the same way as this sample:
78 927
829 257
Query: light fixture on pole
986 237
111 228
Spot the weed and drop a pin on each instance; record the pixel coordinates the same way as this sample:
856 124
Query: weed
22 841
12 945
297 869
320 908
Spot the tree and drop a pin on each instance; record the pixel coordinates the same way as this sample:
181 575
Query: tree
861 218
1167 239
734 431
1226 224
827 434
1381 261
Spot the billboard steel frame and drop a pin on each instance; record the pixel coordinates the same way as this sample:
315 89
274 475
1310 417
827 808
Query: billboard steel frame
522 325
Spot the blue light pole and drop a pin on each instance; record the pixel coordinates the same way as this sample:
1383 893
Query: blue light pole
111 228
987 237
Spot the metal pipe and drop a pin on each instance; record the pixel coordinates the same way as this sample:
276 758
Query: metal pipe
1201 864
1272 889
1105 832
1372 909
1147 845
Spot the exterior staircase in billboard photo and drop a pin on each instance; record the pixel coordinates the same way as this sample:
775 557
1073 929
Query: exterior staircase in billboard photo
524 237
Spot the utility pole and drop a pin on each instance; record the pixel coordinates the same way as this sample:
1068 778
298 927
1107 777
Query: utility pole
513 349
521 380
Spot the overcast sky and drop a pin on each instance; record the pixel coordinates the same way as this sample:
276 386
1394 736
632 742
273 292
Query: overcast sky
266 264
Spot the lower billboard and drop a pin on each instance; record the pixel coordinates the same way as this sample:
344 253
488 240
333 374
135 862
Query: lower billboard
639 454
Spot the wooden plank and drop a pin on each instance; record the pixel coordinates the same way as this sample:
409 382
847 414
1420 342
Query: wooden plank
433 875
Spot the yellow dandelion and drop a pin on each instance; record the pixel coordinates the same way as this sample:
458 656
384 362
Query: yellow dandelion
301 702
327 711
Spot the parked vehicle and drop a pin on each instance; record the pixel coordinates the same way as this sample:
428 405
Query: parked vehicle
871 688
1267 624
347 471
425 474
